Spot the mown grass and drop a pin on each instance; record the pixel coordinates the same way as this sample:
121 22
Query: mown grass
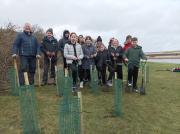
158 112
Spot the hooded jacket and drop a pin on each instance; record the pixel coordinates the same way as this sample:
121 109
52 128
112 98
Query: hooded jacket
26 45
63 41
134 54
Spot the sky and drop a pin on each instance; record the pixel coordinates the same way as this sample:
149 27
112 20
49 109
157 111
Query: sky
156 23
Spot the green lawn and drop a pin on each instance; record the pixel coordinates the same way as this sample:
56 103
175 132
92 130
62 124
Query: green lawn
158 112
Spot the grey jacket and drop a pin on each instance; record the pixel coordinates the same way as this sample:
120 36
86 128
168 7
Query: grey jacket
87 60
70 55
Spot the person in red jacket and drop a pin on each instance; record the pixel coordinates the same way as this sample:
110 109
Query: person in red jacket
128 43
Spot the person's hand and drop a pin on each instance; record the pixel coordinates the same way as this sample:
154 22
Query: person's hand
38 56
14 56
112 54
53 54
117 54
75 58
126 60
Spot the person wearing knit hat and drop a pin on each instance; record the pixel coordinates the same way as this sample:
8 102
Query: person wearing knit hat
49 48
50 30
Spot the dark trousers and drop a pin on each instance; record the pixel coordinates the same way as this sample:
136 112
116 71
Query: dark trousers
87 75
133 74
80 72
102 73
74 69
47 66
27 64
112 70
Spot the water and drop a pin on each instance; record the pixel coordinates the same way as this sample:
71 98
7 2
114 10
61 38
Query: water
175 61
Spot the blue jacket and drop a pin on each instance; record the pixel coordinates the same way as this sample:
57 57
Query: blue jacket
26 45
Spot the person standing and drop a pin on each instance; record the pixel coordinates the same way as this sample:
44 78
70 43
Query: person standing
133 56
27 47
74 54
89 51
116 55
64 40
128 43
49 47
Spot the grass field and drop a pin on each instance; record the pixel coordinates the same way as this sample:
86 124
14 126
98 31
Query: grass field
158 112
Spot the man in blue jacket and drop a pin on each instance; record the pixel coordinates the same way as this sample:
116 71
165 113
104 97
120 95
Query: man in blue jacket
27 47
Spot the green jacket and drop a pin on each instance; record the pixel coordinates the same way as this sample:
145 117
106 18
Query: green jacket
134 55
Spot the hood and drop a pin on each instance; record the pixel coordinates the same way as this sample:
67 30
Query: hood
65 31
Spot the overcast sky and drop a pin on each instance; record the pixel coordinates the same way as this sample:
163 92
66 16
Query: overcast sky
155 22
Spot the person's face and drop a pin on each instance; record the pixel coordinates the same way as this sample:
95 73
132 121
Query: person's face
115 42
88 41
101 48
27 27
73 38
49 34
67 35
81 39
134 43
129 40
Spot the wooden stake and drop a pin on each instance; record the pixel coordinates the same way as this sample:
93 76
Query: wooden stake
39 72
115 75
57 88
66 72
16 69
26 78
80 100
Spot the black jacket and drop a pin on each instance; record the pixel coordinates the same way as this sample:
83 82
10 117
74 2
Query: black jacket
63 41
102 58
49 45
118 54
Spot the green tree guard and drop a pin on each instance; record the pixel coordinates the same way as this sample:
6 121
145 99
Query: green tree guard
117 97
28 110
70 119
94 81
12 80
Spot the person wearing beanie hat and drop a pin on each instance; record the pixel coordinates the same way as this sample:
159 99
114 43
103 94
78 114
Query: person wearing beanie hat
49 48
50 30
64 40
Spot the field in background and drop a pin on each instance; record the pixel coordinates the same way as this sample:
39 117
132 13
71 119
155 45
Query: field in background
156 113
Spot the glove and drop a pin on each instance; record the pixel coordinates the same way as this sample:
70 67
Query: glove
14 56
38 56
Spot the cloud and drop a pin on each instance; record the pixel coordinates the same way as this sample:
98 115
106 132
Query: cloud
155 22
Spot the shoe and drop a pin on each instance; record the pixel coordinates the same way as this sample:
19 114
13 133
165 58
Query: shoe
129 84
81 84
109 83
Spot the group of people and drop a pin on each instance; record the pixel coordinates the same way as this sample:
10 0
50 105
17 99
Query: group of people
80 55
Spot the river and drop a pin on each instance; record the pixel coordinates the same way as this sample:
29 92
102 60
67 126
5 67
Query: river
175 61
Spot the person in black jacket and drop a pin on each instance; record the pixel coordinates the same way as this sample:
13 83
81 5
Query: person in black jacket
116 56
102 60
62 43
49 47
